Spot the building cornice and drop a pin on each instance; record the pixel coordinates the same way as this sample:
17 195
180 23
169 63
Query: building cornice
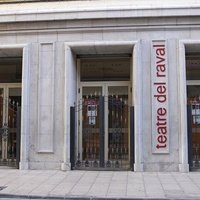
102 25
68 11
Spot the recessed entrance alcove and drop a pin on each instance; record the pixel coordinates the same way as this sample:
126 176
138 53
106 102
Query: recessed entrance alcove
96 67
10 106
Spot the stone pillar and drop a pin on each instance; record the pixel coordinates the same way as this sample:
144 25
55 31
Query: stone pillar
69 100
183 145
137 102
25 109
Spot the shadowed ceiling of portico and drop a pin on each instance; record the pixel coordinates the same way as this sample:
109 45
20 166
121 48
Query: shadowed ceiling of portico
10 65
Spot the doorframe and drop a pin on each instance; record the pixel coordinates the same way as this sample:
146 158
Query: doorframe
104 85
182 93
135 48
25 110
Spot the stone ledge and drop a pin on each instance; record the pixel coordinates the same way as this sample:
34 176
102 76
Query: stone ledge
63 11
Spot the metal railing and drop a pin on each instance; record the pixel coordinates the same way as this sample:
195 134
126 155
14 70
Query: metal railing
93 138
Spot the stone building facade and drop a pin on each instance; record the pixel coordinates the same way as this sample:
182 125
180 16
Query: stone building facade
102 84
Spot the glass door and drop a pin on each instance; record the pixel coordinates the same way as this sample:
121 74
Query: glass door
103 126
10 102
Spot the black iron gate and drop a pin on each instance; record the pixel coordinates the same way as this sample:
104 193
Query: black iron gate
193 118
10 130
117 153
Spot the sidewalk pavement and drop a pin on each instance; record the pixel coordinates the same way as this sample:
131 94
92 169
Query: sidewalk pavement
98 184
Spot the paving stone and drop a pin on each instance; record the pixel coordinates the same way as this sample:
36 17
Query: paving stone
114 185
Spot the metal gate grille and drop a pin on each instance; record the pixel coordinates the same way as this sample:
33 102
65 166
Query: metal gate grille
10 133
193 113
92 154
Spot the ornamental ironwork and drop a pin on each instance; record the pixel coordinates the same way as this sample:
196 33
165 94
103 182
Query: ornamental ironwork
5 132
97 149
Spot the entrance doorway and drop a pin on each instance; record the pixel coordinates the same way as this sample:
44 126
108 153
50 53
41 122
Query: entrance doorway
194 126
10 105
103 112
10 102
193 102
104 125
